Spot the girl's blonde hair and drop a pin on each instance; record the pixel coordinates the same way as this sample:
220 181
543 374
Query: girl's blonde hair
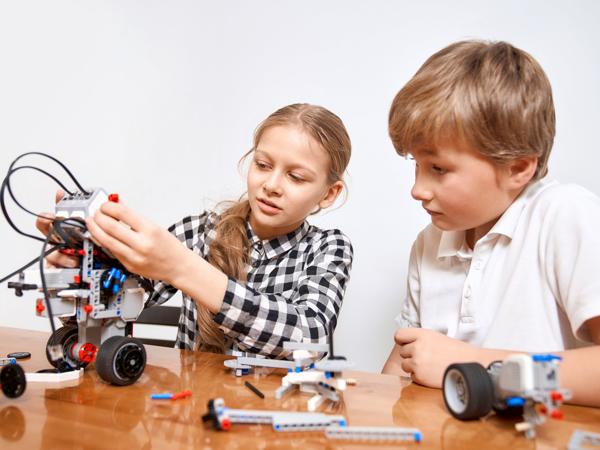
230 249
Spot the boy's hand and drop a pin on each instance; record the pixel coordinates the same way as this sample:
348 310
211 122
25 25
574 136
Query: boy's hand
426 354
140 245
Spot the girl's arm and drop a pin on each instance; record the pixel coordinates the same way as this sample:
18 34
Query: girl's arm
259 322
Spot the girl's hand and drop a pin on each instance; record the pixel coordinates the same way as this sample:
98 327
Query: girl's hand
140 245
426 354
55 259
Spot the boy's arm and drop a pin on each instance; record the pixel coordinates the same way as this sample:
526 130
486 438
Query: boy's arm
425 354
580 368
393 365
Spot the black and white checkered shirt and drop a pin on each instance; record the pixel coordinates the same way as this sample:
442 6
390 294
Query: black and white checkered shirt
294 288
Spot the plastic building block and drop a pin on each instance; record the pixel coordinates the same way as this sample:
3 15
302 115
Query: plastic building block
96 302
527 385
581 439
169 396
54 377
323 378
222 418
374 433
254 389
6 361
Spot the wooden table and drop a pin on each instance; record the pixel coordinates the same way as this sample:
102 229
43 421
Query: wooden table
96 415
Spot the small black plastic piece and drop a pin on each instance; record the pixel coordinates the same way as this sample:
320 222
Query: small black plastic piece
19 355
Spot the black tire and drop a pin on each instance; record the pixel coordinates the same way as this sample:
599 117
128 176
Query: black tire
13 380
468 391
121 360
66 336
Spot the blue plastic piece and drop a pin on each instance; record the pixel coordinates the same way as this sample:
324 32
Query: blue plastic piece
418 436
342 423
276 427
161 396
515 401
6 361
546 357
327 375
111 274
116 288
298 370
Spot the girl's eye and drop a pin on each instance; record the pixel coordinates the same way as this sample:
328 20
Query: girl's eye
297 178
261 165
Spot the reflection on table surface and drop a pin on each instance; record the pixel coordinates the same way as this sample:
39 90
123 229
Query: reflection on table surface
95 414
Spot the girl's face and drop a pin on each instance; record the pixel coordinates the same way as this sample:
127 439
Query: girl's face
287 181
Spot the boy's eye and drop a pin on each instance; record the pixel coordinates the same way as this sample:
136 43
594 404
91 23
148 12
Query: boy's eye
439 170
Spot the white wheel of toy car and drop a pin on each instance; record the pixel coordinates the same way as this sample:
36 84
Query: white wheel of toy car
468 391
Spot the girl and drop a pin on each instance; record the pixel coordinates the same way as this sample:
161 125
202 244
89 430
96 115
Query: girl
256 274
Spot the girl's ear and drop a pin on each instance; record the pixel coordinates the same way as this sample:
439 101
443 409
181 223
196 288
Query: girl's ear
331 195
521 171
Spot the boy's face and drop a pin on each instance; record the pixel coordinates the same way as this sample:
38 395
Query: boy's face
460 188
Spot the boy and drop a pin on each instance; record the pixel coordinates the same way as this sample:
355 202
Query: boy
509 261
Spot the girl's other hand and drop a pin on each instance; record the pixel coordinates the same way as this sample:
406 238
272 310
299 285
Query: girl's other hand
44 224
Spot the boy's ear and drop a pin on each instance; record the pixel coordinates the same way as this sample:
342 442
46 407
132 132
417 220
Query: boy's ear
331 195
521 171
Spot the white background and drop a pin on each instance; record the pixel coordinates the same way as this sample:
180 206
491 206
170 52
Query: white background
157 101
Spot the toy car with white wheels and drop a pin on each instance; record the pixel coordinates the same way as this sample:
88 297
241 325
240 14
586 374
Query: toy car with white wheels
522 384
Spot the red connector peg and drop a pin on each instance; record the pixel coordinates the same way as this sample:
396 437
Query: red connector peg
226 424
556 396
88 308
87 352
556 414
113 198
39 305
77 279
181 394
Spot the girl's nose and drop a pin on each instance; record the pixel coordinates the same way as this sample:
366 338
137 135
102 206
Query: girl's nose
272 184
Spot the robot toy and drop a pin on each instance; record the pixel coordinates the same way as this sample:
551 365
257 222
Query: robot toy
521 385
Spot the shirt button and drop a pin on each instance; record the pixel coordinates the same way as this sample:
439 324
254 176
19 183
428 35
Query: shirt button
478 264
468 292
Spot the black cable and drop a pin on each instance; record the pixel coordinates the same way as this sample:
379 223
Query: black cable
57 162
6 184
48 174
45 287
29 264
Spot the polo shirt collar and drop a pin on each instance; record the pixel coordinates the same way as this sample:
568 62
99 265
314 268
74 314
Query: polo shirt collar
279 245
453 243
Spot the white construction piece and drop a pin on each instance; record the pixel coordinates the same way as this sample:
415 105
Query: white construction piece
581 440
335 427
322 378
222 418
50 377
374 433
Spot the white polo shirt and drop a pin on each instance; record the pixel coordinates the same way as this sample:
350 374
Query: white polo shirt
528 285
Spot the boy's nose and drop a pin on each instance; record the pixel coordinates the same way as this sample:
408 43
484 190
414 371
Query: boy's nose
420 192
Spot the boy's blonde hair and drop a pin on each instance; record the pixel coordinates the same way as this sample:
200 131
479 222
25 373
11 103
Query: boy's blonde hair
230 250
490 95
